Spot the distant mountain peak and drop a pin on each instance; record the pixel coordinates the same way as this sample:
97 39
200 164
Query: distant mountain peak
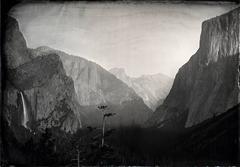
151 88
155 75
118 70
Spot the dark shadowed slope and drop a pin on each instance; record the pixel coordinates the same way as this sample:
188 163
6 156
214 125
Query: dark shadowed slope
214 140
211 142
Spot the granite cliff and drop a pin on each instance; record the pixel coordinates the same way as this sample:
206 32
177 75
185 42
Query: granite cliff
207 85
38 93
15 47
95 86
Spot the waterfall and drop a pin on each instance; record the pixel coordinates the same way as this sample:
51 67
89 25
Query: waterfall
25 113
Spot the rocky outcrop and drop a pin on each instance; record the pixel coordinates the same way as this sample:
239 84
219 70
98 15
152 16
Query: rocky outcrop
207 85
15 45
38 86
94 86
153 89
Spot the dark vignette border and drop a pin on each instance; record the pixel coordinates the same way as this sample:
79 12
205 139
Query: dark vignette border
5 7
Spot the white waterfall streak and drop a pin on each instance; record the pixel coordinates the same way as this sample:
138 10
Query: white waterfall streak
25 113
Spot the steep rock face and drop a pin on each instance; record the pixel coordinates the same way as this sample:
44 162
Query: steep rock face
207 85
48 92
15 46
41 88
152 88
94 86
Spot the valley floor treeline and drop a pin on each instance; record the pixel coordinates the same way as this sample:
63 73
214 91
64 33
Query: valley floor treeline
211 142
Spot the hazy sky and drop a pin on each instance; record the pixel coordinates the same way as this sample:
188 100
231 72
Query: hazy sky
142 38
